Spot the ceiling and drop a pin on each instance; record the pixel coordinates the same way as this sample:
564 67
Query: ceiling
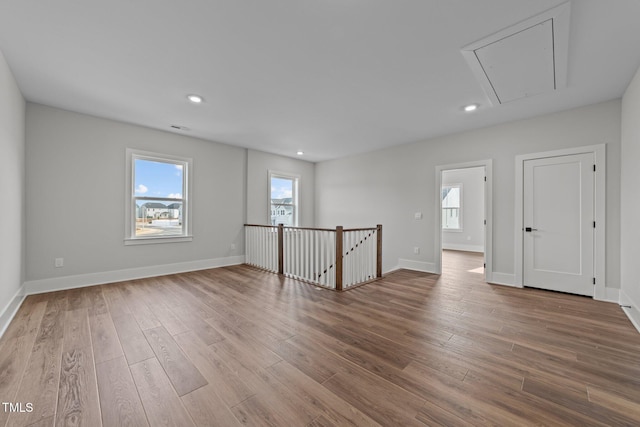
329 77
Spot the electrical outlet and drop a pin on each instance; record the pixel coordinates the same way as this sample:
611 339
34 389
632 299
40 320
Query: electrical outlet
232 247
417 215
59 262
416 250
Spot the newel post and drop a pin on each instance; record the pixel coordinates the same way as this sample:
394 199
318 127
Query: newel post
280 248
338 258
379 252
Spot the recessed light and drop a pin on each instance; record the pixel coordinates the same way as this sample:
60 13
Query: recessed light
196 99
300 153
471 107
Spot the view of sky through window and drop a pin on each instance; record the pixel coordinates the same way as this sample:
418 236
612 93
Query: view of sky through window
281 188
158 179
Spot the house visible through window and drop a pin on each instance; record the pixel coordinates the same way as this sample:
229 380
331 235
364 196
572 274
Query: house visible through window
451 207
159 203
283 196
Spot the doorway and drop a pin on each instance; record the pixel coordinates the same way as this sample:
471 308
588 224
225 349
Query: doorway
463 212
559 205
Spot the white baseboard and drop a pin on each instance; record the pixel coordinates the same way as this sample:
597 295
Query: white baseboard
608 295
504 279
461 247
630 309
82 280
426 267
624 299
633 315
10 310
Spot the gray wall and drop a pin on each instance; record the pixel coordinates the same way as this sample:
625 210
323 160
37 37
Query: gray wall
471 238
12 186
75 188
258 166
630 205
389 186
76 191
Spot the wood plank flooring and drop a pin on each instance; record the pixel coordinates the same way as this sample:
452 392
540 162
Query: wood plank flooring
238 346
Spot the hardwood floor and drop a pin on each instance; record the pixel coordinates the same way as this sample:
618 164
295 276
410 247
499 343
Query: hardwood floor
239 346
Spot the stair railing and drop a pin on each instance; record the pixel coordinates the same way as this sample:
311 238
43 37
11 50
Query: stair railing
337 258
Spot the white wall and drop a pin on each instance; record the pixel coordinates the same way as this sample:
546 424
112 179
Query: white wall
630 196
76 191
389 186
12 184
258 166
471 237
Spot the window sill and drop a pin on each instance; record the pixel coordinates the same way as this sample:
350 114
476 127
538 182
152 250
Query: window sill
156 240
453 230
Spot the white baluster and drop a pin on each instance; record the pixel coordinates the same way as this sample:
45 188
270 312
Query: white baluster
305 252
259 258
274 249
287 251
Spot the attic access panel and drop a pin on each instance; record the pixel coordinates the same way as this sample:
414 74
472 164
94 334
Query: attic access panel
523 60
520 65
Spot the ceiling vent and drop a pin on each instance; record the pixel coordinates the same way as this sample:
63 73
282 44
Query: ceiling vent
524 60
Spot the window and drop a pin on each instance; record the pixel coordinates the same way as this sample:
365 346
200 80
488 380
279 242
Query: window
452 207
158 202
283 198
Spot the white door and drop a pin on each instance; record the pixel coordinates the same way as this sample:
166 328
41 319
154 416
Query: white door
558 219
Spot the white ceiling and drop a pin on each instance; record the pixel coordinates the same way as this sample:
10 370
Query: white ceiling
329 77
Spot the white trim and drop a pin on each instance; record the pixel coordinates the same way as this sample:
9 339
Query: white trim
504 279
462 247
488 213
634 316
625 300
409 264
599 241
294 197
82 280
610 295
10 310
155 240
129 204
632 312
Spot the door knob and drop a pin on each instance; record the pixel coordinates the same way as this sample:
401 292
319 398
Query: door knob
529 229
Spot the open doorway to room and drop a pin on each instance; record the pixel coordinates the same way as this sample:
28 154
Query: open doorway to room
463 242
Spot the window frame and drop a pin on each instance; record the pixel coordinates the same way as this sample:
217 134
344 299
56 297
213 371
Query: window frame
460 228
130 197
295 204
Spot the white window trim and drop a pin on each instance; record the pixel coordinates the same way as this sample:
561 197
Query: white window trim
460 228
130 224
294 196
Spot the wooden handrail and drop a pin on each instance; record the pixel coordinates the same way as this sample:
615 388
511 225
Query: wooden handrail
290 226
311 228
360 229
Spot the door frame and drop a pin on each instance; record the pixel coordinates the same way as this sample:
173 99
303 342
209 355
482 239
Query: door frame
488 213
599 237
